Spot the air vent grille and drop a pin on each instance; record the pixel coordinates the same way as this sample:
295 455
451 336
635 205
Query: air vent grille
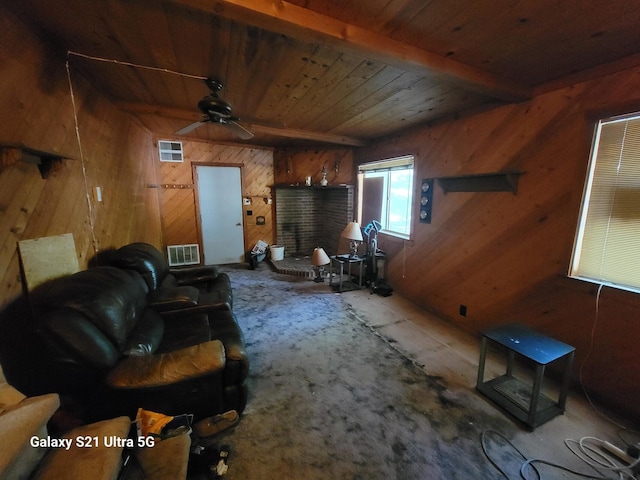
180 255
170 151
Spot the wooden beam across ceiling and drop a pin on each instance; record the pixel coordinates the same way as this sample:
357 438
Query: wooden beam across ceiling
305 25
190 116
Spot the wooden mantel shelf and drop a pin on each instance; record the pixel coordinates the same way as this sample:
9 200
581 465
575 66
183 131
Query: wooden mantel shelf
483 182
307 187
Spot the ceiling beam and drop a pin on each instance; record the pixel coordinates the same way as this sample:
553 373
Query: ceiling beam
308 26
255 127
308 135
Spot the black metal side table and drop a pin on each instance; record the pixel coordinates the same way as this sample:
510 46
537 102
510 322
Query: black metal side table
524 401
346 285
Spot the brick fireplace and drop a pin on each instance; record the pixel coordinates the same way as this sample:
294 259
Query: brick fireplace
308 217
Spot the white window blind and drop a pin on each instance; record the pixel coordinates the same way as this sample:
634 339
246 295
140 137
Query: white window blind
607 247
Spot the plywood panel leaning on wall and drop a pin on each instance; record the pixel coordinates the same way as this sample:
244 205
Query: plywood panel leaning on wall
45 258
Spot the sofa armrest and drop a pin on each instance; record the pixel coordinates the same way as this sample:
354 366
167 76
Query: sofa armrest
176 298
201 308
194 275
167 368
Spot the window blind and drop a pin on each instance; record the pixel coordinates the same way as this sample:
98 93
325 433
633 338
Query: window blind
386 165
607 248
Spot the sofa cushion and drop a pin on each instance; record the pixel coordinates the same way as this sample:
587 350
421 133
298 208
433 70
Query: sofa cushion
144 259
8 395
146 336
168 459
184 332
174 298
68 333
110 298
100 461
18 424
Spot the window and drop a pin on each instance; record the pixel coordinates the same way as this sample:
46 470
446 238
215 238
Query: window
607 245
170 151
386 189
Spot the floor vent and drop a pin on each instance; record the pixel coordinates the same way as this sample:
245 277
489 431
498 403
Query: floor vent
183 255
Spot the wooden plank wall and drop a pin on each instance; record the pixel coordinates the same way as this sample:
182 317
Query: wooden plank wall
292 166
36 110
504 256
179 190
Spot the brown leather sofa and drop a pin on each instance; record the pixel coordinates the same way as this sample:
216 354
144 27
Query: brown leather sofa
93 338
199 289
213 287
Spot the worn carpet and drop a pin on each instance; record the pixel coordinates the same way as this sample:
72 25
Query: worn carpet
330 399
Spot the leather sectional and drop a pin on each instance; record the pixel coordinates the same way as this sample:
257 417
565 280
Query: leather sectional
126 334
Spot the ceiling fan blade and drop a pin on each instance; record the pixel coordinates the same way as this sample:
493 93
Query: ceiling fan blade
239 130
191 127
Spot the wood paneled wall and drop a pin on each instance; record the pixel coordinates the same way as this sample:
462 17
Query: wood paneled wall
291 167
179 191
117 153
505 256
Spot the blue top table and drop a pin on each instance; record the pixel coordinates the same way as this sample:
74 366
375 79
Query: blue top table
525 402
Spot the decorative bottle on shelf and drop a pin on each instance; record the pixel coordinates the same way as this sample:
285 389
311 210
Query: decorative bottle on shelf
324 181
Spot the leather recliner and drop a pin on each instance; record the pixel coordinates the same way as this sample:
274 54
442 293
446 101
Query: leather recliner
200 289
91 338
213 287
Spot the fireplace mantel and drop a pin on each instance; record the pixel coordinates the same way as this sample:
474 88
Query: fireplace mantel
314 187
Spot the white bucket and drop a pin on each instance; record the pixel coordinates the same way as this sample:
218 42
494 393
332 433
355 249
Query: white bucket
277 252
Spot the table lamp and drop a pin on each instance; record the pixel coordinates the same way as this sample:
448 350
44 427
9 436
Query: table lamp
353 233
319 259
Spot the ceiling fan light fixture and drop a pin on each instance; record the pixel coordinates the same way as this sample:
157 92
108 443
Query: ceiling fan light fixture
217 111
212 105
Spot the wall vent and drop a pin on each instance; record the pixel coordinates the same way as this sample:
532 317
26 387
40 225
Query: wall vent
183 255
170 151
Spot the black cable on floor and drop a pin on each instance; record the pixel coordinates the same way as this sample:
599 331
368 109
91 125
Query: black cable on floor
483 441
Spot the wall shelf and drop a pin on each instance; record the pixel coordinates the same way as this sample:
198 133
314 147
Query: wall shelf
309 187
484 182
47 162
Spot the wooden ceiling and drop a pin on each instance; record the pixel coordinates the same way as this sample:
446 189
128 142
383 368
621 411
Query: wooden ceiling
330 72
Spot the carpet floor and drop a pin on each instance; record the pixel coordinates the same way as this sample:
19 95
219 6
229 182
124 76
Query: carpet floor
330 399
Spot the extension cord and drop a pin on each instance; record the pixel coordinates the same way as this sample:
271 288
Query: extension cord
621 454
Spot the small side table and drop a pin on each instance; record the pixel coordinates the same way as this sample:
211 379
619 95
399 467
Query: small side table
346 285
524 401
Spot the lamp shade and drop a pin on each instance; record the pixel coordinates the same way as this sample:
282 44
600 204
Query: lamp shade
352 232
319 257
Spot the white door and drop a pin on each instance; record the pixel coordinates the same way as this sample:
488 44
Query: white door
220 202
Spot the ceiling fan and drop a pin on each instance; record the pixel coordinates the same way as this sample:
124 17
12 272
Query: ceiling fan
216 110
